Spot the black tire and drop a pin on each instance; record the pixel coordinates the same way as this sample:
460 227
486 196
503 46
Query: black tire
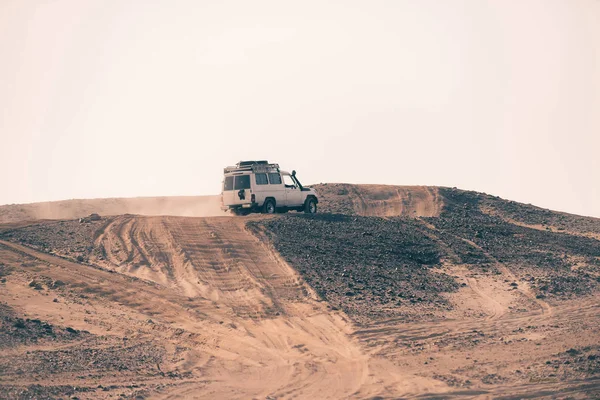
310 206
269 206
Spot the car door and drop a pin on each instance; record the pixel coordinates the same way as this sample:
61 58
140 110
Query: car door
227 194
236 190
293 194
276 189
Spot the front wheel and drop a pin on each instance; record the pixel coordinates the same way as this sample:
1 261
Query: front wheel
310 206
269 207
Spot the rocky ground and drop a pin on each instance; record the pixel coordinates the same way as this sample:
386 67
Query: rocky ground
369 267
385 267
17 331
554 262
536 217
71 239
35 348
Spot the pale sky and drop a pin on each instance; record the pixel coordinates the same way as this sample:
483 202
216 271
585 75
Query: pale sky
154 98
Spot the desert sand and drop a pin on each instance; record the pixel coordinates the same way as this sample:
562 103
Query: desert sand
166 298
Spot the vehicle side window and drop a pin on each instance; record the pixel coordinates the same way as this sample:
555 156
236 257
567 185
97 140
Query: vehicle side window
261 179
228 185
274 178
242 182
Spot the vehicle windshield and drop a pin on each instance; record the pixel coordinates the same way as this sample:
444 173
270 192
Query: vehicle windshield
289 182
242 182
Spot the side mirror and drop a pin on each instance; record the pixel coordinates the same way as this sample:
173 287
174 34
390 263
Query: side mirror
294 173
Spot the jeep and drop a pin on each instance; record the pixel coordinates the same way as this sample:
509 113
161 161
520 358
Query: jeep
259 186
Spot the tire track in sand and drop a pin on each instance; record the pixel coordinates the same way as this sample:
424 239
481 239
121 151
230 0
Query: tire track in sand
285 338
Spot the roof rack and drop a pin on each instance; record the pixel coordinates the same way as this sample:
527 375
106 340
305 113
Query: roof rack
254 166
249 163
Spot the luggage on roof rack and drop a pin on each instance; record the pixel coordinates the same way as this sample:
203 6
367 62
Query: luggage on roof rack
249 163
254 166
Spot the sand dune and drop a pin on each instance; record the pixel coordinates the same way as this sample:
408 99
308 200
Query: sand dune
380 200
169 307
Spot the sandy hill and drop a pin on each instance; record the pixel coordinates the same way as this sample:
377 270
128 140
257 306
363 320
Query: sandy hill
373 200
389 292
339 198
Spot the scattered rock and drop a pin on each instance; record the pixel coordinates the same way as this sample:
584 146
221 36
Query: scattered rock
94 217
56 284
35 284
20 324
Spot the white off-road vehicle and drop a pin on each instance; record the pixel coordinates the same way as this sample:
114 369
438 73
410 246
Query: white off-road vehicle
258 186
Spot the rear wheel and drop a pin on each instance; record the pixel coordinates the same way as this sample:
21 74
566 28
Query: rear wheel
269 206
310 206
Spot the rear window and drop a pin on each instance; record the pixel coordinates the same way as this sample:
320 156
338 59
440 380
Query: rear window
261 179
274 178
242 182
228 185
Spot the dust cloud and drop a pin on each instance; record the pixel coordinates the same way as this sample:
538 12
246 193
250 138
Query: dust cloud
185 206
